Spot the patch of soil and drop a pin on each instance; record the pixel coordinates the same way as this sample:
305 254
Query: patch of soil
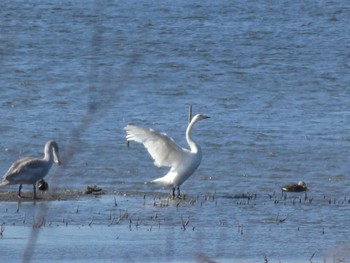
67 194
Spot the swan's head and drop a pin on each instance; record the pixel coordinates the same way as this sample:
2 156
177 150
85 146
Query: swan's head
52 146
199 117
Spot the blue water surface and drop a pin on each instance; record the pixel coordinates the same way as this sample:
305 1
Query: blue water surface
273 76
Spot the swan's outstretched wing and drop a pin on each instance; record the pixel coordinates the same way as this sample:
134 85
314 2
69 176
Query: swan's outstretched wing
163 149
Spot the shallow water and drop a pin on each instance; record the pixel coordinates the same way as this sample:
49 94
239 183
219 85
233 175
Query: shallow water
145 227
274 77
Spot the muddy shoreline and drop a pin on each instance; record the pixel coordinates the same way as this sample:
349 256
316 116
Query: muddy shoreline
55 195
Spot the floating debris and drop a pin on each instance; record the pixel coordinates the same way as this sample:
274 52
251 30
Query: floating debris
278 220
92 190
2 229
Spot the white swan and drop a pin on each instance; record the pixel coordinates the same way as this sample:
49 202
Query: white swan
166 152
29 170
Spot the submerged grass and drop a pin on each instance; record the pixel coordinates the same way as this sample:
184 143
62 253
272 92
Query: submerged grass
225 219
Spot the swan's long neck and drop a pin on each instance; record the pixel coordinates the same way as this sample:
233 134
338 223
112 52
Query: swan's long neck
193 146
49 154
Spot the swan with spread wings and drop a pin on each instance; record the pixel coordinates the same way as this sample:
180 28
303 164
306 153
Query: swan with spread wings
165 152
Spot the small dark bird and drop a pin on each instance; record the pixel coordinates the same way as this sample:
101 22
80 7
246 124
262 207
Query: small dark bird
42 185
299 187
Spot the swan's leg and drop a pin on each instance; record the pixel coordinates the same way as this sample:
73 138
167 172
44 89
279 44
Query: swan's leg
19 190
173 192
178 191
